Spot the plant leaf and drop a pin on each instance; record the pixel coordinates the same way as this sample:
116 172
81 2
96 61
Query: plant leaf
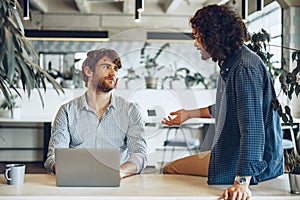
10 55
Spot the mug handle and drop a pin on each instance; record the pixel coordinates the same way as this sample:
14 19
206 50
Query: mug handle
6 174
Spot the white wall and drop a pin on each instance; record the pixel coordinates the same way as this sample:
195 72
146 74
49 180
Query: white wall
162 101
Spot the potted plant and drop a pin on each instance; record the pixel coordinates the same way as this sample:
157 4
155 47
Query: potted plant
7 110
17 56
292 163
151 65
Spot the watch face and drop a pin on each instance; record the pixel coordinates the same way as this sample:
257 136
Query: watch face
242 180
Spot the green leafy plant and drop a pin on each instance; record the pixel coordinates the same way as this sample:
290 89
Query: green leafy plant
17 56
4 105
149 62
174 77
193 79
289 81
292 162
10 107
290 84
258 43
131 75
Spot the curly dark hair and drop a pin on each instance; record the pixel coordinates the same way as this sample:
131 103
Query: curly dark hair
94 56
221 29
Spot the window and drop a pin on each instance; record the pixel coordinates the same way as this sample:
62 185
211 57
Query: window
270 20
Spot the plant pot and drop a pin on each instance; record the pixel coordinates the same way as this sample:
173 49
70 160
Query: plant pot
14 113
5 113
294 183
151 82
68 84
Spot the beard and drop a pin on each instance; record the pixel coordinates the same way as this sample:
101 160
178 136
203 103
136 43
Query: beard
204 54
102 85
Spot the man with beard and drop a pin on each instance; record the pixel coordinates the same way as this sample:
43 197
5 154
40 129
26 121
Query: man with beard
98 119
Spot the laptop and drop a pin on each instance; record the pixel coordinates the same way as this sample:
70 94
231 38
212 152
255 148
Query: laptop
87 167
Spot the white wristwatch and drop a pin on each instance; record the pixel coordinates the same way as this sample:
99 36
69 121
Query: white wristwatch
241 180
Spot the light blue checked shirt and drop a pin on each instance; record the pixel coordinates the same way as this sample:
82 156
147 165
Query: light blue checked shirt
77 126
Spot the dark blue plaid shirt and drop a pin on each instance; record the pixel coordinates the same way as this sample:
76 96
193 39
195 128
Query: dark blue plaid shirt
248 137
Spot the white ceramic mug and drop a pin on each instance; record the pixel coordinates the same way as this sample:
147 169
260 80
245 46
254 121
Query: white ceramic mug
14 174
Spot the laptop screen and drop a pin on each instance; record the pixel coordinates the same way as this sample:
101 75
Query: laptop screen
87 167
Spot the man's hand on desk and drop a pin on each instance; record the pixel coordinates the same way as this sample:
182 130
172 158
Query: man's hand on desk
127 169
54 168
239 190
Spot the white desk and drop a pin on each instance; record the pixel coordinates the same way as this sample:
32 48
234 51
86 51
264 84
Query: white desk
145 186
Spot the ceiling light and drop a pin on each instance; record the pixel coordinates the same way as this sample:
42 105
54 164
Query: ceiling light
137 17
259 5
67 35
139 5
245 9
26 15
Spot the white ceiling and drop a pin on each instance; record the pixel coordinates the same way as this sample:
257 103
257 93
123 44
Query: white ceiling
116 16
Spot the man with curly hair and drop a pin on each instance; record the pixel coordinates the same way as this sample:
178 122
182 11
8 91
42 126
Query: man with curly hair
99 119
247 146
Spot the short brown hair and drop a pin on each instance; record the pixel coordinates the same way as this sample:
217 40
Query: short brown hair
94 56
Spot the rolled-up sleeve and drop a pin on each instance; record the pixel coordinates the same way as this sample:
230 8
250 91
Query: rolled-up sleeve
251 121
137 147
60 137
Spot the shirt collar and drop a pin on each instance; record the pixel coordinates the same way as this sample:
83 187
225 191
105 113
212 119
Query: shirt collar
227 64
84 104
229 60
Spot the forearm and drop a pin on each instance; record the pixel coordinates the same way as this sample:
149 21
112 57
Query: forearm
204 113
50 161
197 113
136 142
